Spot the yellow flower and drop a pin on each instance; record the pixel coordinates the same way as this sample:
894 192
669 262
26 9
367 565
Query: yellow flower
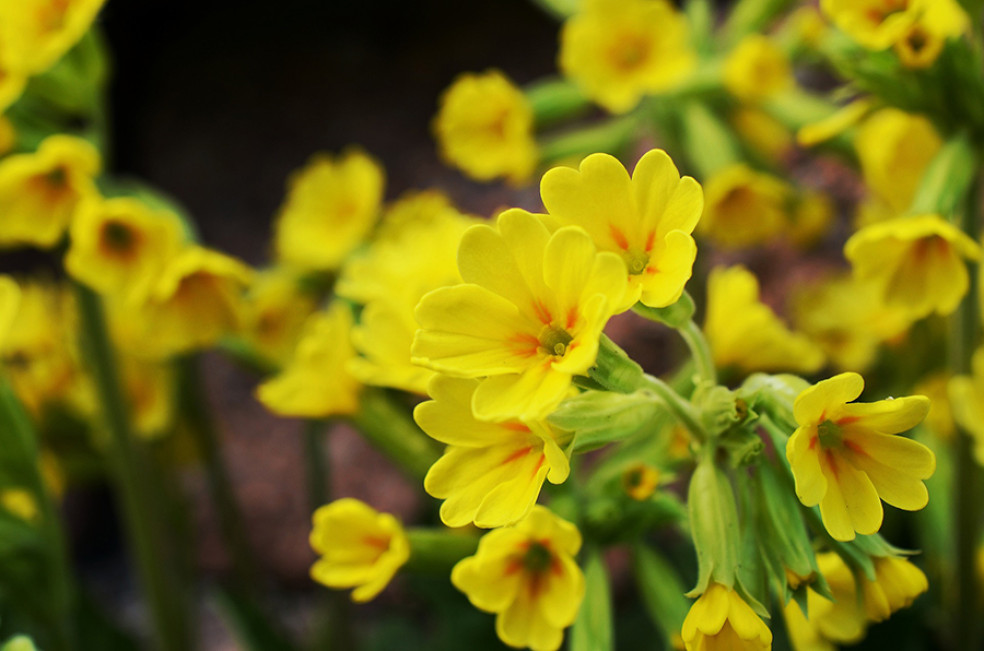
40 191
485 127
745 333
8 135
36 33
897 584
20 503
875 24
811 216
119 245
894 149
838 621
360 548
640 481
757 69
331 205
150 390
273 313
491 473
916 262
315 383
767 136
646 220
744 207
936 387
617 51
720 620
528 317
967 396
922 43
526 574
844 457
12 84
411 209
9 302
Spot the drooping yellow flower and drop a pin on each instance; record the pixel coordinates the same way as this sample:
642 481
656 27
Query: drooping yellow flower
720 620
485 128
916 262
617 51
923 41
967 396
744 207
491 473
526 574
646 220
894 149
40 191
150 391
528 317
756 69
360 548
745 333
120 245
897 584
36 33
840 620
331 204
316 382
844 455
273 313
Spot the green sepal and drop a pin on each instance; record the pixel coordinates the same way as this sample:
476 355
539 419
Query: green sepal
718 408
593 629
714 524
774 396
947 179
614 369
661 590
597 418
555 99
676 315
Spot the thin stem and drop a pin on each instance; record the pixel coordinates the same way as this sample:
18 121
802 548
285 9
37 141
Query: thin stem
682 410
387 426
700 350
314 461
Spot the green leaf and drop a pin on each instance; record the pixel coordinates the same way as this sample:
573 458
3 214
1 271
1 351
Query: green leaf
593 627
662 592
249 625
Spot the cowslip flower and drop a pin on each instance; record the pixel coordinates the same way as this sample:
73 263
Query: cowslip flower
917 262
839 620
316 383
756 69
897 584
923 41
844 455
745 333
720 620
967 396
526 574
485 127
118 245
331 204
491 473
528 317
150 391
360 548
273 312
769 137
12 84
9 300
743 207
646 219
617 51
875 24
36 33
40 191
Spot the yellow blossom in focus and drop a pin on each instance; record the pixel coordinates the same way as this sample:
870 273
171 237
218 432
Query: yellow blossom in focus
744 207
640 481
720 620
331 205
967 397
756 69
273 313
485 128
526 574
491 473
315 383
36 33
916 262
120 245
40 191
745 333
20 503
894 149
617 51
359 547
528 317
769 137
646 220
844 455
897 584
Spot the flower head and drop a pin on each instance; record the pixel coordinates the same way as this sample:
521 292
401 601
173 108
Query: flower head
967 395
526 574
491 473
646 220
620 50
916 262
720 620
875 24
844 455
528 317
36 33
485 127
273 313
756 69
744 207
359 547
897 584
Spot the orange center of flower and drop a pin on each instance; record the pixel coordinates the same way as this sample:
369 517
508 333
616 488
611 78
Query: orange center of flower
629 52
554 341
538 557
118 240
831 435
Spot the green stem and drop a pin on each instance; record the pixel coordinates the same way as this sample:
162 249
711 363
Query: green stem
435 551
314 462
387 426
144 527
700 350
197 417
682 410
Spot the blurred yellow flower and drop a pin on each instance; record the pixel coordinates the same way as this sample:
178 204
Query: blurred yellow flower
936 387
491 473
120 245
720 620
526 574
844 456
646 220
315 383
875 24
967 396
485 127
12 84
922 43
916 262
745 333
617 51
9 303
36 33
273 312
331 205
360 548
528 317
8 135
811 217
20 503
840 620
744 207
411 209
150 391
40 191
769 137
756 69
640 481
